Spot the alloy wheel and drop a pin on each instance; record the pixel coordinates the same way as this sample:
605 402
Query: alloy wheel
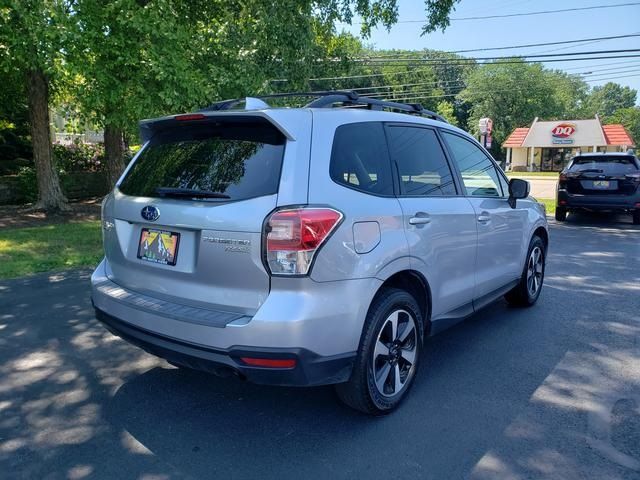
394 355
534 271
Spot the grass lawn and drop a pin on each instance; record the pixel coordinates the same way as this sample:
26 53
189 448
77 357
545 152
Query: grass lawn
550 203
532 174
24 251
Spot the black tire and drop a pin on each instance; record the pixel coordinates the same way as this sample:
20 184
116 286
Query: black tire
636 216
561 214
521 295
361 391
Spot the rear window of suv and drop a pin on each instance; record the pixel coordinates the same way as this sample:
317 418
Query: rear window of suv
606 164
228 160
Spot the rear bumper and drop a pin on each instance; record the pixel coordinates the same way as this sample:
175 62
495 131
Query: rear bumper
317 323
310 369
598 202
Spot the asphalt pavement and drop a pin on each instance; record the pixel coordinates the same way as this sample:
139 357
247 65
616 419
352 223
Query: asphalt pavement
542 187
547 392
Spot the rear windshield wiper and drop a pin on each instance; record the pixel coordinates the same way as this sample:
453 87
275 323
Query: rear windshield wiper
188 193
591 170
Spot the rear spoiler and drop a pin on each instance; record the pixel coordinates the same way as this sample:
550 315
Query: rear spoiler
148 128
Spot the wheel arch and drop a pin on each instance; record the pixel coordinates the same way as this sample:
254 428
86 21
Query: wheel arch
543 234
413 282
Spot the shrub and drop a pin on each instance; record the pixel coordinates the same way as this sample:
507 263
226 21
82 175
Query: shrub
79 157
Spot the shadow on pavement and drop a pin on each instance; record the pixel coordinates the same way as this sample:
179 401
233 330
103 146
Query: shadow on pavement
601 219
503 394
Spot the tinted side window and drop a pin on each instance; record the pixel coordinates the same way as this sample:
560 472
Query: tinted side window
359 158
479 174
422 166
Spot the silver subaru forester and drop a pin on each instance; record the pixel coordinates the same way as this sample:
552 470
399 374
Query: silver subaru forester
310 246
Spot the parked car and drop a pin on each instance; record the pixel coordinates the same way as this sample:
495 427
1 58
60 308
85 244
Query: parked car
600 182
312 246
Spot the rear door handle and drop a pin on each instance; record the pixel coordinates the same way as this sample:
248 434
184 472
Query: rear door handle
484 217
420 218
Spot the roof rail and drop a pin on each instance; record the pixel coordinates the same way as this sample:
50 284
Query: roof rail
328 99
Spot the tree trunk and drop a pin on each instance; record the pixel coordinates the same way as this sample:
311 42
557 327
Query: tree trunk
50 196
114 153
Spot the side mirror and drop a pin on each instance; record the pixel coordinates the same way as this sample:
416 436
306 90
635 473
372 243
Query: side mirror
518 188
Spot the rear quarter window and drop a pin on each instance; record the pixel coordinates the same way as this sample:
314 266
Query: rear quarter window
360 160
238 160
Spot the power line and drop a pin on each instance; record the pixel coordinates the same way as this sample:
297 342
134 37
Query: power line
423 69
526 14
472 59
499 62
461 83
567 47
601 65
529 45
376 87
612 73
610 69
610 78
541 12
420 97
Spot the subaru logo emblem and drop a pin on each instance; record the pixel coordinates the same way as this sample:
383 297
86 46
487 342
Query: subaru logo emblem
150 213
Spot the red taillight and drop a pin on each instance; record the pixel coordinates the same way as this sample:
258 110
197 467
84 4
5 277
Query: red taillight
190 116
294 236
269 362
563 177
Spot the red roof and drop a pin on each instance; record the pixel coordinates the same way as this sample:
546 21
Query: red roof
617 135
516 138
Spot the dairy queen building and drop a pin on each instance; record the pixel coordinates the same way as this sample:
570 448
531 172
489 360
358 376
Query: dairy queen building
548 146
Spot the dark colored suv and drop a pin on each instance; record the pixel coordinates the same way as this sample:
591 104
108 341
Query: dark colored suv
600 182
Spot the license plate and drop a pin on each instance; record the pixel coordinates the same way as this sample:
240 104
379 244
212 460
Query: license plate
601 184
158 246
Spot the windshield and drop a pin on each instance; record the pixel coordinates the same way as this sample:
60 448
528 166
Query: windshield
212 161
606 164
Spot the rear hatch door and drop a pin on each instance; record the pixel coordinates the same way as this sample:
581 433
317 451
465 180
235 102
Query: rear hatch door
188 214
603 175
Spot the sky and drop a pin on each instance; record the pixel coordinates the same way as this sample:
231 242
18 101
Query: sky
555 27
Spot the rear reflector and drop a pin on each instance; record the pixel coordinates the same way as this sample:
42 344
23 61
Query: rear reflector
190 116
269 362
563 202
294 236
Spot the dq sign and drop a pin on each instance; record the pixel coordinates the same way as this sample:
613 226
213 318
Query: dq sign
562 132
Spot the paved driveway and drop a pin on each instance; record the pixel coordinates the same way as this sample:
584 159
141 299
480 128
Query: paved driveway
542 187
548 392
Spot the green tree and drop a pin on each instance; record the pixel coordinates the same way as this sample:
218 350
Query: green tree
32 39
129 59
140 59
606 99
570 94
447 111
513 94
